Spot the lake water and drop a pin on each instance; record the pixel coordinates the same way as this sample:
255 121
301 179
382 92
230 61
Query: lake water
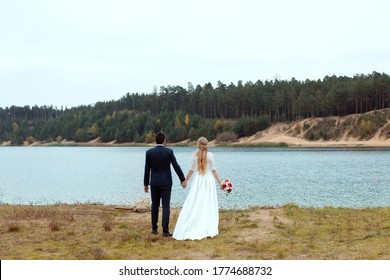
261 176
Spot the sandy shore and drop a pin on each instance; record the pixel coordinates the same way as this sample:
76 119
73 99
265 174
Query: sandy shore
281 133
255 140
277 134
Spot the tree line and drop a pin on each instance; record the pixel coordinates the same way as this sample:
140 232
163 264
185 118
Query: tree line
225 110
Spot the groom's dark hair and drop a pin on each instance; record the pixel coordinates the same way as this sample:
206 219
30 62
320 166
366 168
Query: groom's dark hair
160 137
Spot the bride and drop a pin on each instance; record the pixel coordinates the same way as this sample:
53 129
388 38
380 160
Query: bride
199 216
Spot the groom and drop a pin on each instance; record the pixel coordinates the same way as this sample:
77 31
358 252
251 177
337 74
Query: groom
157 166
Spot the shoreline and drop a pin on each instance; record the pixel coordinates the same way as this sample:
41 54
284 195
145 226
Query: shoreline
295 143
144 205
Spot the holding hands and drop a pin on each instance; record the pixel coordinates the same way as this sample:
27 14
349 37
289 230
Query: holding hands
185 182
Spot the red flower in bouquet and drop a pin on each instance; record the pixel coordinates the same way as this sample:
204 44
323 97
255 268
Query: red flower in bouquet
227 186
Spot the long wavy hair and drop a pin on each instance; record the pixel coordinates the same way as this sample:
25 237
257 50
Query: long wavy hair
202 155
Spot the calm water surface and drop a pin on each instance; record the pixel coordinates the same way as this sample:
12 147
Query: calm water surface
261 176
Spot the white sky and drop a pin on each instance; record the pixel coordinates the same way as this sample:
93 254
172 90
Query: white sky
79 52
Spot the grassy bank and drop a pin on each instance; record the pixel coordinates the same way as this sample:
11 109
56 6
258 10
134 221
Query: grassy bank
103 232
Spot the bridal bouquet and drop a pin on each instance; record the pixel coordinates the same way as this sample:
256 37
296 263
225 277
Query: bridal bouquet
227 186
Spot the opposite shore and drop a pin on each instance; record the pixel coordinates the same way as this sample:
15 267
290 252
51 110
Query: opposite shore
275 136
252 141
371 129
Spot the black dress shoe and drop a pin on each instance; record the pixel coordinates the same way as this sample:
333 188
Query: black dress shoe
167 234
154 231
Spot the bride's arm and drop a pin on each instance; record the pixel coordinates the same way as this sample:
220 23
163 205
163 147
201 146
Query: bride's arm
215 173
191 171
189 174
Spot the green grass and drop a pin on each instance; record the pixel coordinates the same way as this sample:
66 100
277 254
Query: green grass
102 232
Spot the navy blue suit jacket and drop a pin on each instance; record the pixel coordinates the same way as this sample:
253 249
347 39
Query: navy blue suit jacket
157 167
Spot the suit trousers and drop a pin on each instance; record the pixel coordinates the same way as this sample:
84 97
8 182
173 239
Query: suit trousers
163 194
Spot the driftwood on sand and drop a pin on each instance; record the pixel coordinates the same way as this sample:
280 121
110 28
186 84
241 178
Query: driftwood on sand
140 206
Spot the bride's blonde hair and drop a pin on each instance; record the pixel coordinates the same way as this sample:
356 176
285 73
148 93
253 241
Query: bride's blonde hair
202 154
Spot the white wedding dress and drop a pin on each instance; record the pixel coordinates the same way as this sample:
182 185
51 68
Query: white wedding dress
199 215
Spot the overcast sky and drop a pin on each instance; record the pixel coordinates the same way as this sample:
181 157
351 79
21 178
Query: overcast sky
80 52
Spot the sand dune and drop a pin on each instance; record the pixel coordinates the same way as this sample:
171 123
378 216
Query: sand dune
284 133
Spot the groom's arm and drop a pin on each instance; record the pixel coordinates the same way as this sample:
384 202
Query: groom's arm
147 172
177 168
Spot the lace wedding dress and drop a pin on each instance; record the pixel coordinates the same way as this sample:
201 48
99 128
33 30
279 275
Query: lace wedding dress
199 215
